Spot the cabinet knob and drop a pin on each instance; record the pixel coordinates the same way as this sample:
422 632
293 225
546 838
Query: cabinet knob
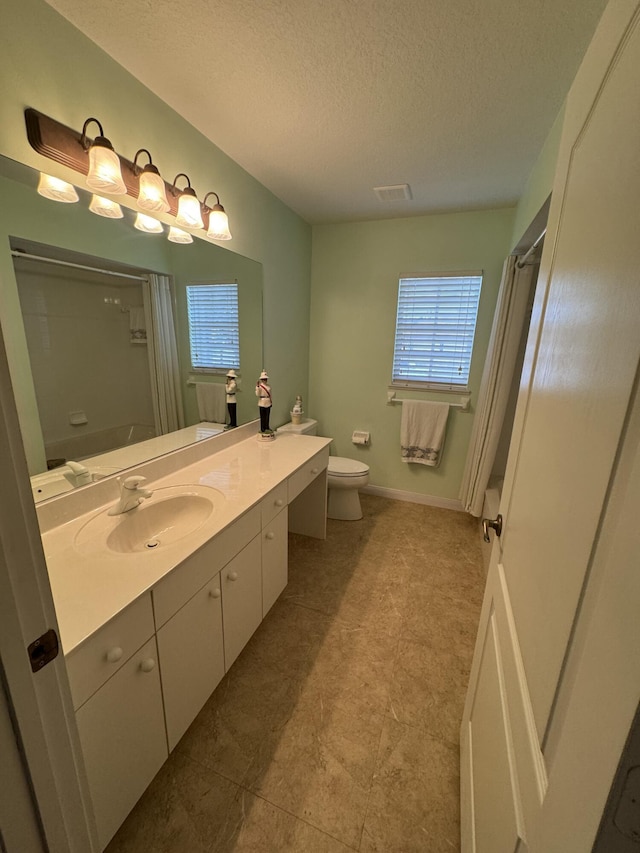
271 535
314 470
214 593
147 664
279 502
114 654
233 576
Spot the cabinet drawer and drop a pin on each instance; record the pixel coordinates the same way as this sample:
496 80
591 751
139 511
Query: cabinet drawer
273 503
98 658
185 580
299 481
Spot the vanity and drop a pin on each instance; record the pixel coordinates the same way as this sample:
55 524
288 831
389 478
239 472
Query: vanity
154 605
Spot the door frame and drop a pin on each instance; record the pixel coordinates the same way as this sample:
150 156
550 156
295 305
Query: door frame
39 703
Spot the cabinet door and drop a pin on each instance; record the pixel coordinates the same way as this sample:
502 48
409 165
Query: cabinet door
241 599
123 739
191 654
274 560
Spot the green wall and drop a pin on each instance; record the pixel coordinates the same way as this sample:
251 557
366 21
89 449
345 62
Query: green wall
355 271
47 64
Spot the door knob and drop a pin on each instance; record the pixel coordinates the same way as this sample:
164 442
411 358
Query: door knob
495 523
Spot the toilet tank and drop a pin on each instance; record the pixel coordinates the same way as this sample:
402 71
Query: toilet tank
307 427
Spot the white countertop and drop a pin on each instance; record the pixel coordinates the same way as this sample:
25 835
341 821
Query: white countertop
90 589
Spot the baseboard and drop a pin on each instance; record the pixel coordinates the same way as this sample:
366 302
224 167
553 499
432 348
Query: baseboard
413 497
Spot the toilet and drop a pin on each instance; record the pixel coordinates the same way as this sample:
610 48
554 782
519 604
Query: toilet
344 477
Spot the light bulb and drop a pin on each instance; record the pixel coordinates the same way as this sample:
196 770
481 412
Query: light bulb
218 224
189 213
104 170
152 195
105 207
56 190
177 235
148 224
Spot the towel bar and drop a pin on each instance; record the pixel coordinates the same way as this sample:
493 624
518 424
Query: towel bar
463 404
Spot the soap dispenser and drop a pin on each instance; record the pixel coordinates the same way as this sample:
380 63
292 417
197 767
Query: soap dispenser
296 412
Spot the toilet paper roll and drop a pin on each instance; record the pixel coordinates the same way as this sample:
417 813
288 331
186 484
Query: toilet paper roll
360 437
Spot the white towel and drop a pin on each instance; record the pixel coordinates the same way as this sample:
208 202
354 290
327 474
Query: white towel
212 402
137 326
422 431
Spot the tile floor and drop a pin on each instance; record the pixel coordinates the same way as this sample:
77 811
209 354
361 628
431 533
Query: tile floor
337 727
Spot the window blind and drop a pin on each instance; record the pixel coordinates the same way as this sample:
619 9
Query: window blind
435 328
214 335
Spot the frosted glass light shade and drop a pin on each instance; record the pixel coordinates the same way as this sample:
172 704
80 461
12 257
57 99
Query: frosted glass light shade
152 195
104 171
105 207
189 214
218 225
56 190
148 224
177 235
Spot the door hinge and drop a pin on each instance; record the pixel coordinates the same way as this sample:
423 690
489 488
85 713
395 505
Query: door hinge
43 650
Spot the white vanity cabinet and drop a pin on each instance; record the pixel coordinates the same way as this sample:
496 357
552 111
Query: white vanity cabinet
188 607
115 685
274 559
190 646
142 677
241 599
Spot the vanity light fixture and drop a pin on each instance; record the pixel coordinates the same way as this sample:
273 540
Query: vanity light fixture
218 220
56 190
148 224
189 213
151 195
105 173
105 207
108 172
177 235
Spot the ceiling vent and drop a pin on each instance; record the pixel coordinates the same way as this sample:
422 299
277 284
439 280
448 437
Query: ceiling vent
399 192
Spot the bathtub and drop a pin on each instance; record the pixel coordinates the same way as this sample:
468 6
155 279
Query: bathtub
490 509
88 444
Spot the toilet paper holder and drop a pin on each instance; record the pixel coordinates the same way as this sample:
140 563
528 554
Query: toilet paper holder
360 437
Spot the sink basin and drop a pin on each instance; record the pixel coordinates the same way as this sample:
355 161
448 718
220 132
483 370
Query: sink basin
166 517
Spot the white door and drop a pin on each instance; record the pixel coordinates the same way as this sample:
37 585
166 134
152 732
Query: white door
19 827
571 425
49 767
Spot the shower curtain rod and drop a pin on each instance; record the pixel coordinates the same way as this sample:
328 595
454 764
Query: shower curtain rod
520 263
17 253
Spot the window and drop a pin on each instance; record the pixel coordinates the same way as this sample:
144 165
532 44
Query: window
435 328
214 335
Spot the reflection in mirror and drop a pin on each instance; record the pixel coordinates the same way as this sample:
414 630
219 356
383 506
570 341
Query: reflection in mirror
89 364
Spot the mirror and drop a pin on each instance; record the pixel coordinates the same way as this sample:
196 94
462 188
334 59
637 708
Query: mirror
62 396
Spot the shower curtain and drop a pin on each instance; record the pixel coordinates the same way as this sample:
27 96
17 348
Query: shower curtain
496 383
163 354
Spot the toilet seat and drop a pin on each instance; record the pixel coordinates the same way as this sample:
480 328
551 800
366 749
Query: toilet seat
339 466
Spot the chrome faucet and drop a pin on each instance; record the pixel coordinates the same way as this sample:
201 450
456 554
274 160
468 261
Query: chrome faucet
130 495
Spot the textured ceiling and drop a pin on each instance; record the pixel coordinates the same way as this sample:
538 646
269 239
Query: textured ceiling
321 100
